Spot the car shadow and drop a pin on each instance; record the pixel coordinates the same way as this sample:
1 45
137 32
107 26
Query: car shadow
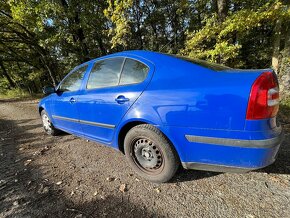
183 175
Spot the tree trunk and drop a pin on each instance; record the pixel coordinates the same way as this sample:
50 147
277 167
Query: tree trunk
80 37
6 75
284 66
286 51
51 75
78 33
276 45
101 45
222 9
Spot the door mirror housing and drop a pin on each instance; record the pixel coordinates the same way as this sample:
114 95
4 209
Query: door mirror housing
48 90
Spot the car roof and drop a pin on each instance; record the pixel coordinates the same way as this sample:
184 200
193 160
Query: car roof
163 58
142 53
158 58
151 56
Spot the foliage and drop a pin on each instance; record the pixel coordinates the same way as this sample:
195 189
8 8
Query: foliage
227 41
118 12
40 41
14 93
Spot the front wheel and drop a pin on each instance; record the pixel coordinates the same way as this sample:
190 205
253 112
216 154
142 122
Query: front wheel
47 124
150 153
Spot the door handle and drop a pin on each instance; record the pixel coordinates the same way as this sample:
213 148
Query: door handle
121 99
72 100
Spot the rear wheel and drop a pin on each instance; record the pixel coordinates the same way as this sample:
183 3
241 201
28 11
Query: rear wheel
47 124
150 153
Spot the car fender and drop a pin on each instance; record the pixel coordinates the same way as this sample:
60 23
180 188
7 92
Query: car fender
148 116
45 104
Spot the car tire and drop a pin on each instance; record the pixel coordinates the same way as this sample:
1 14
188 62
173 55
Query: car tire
47 124
150 153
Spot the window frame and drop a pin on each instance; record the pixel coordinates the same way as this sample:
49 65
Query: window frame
93 64
121 72
136 82
70 73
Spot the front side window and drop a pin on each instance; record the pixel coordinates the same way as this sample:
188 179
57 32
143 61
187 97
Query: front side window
133 72
105 73
73 82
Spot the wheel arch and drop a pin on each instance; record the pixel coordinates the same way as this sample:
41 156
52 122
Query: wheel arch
129 125
124 130
40 109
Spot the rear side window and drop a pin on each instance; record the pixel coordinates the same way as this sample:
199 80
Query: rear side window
133 72
73 81
105 73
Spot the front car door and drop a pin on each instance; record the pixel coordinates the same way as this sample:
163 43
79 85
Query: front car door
113 85
65 113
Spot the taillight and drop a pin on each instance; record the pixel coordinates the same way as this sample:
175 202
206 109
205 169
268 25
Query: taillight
264 97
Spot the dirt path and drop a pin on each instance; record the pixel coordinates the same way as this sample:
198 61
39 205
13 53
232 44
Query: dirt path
64 176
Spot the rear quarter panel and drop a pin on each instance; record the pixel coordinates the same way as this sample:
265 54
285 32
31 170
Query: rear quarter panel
187 95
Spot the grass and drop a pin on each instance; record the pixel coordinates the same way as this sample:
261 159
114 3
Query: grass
18 94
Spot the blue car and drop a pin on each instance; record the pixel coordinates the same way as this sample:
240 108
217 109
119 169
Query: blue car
163 111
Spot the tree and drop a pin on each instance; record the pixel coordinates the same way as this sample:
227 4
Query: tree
40 41
225 41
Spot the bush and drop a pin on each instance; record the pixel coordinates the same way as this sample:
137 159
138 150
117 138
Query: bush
14 93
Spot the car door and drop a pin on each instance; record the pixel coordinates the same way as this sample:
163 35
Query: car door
113 85
65 112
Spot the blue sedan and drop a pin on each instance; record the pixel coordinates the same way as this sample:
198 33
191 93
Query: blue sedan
163 111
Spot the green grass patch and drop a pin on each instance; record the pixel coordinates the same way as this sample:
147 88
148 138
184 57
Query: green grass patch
18 94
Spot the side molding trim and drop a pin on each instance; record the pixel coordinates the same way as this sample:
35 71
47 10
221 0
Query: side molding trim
263 143
215 168
84 122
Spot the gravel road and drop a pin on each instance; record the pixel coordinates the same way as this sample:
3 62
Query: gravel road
65 176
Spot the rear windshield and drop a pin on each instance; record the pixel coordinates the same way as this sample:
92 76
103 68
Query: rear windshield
213 66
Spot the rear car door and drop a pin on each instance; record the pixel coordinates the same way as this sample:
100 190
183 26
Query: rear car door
113 85
65 113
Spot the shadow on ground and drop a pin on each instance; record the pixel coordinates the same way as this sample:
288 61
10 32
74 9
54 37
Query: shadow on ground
23 191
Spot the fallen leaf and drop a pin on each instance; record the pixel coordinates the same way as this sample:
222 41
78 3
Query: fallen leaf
123 188
157 190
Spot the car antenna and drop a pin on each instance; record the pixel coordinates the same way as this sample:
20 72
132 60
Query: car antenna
169 41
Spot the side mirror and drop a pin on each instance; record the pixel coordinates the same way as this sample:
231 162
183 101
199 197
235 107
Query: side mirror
48 90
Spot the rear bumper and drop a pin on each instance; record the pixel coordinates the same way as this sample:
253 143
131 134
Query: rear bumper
216 168
233 155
